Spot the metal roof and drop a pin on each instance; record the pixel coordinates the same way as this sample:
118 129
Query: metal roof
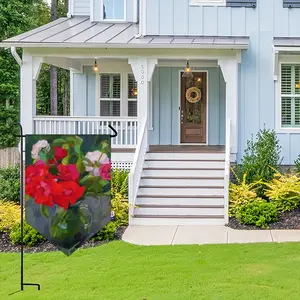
80 32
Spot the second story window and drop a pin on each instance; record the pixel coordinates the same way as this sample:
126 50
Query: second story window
114 10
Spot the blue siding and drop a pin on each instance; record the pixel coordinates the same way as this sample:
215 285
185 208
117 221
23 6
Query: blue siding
84 89
166 93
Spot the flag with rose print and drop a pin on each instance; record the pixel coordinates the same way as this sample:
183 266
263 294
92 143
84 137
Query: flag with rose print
67 187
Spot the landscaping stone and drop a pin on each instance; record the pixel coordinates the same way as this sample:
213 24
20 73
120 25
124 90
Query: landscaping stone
285 235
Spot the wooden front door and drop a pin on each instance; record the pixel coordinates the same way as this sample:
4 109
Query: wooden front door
193 111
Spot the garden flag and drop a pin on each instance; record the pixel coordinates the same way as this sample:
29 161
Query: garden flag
67 187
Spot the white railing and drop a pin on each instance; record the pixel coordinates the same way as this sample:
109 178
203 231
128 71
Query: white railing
137 168
126 127
227 169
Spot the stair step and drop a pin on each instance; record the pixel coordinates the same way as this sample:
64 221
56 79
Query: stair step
176 221
179 211
183 191
170 206
190 173
188 164
180 217
185 156
185 182
179 201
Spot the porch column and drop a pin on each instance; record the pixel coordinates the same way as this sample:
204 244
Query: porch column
229 69
29 73
143 69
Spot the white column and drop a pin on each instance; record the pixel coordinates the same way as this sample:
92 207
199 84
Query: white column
29 73
143 69
229 69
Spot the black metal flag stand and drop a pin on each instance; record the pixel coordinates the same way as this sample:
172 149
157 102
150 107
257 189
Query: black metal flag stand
22 137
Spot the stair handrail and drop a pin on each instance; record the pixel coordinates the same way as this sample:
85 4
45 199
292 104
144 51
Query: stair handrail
227 170
134 176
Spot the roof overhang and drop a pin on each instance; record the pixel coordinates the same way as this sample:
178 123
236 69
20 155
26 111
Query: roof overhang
80 32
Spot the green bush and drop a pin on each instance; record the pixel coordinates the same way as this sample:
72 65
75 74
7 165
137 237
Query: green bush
261 158
10 184
119 183
31 236
259 213
107 233
10 215
284 191
297 164
8 116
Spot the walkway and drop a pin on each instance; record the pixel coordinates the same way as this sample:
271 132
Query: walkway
188 235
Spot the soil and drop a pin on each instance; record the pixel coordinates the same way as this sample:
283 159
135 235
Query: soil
287 220
7 246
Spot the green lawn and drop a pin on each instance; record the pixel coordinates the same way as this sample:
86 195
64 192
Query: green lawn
119 271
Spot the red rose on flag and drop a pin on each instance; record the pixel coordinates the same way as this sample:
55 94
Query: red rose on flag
68 193
60 153
68 172
105 171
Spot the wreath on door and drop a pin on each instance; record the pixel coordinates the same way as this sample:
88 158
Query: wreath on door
193 94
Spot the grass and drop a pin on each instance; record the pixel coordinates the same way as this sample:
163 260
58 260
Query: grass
119 271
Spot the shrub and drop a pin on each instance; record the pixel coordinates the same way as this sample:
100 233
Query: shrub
120 207
10 184
240 194
260 155
9 216
107 233
284 191
8 116
297 164
31 236
119 183
259 213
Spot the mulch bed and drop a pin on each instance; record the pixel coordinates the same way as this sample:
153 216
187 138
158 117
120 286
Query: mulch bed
287 220
6 245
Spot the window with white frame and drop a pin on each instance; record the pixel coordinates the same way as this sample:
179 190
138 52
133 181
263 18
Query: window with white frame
114 9
208 2
110 95
132 96
118 95
290 96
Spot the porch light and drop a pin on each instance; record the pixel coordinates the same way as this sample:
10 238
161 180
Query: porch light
187 71
95 67
134 92
297 85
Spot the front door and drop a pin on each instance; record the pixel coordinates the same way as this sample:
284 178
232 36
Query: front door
193 108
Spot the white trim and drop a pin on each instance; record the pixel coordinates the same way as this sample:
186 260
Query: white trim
71 8
135 11
113 20
179 106
143 16
71 93
92 15
207 2
278 126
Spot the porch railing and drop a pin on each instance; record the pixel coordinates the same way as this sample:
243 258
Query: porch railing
126 127
137 168
227 169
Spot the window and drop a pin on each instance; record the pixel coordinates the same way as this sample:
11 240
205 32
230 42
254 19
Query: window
132 96
114 9
110 95
290 96
208 2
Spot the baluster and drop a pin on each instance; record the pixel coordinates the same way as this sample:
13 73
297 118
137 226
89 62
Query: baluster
93 127
126 133
121 136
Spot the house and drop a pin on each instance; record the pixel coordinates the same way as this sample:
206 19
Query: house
184 82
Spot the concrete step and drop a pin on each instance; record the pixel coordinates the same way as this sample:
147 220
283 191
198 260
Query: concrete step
187 164
180 211
172 182
156 172
185 156
142 220
172 201
180 191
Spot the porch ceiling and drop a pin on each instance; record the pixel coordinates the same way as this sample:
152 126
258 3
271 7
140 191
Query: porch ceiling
80 32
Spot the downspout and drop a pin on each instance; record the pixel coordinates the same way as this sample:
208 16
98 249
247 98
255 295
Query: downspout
141 18
16 56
